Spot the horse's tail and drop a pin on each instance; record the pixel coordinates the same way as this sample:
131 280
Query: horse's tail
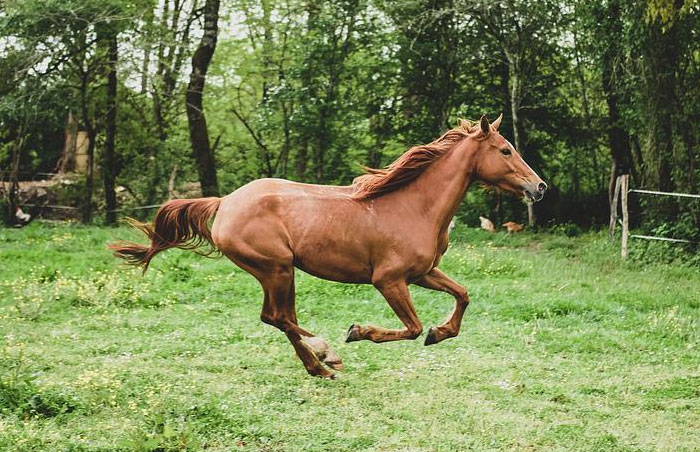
180 223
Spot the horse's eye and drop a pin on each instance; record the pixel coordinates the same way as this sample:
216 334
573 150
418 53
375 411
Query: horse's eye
505 151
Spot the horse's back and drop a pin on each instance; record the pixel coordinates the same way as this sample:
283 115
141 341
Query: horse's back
319 228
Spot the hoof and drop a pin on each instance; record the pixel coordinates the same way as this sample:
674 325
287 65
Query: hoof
431 338
333 361
335 365
321 373
318 345
323 352
353 333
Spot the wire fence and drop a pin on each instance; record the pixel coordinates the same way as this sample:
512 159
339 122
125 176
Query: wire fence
5 175
39 208
664 193
121 209
622 182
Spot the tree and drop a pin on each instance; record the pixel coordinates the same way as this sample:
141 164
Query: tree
433 37
524 30
264 100
199 135
109 168
311 89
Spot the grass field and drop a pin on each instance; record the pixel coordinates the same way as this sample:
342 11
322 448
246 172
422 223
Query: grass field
563 348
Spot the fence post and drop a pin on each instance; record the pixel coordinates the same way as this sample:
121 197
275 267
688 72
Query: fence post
613 206
624 188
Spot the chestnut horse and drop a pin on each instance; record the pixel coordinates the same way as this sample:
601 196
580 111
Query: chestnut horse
389 228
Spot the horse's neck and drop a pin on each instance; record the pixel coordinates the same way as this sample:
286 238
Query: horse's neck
440 189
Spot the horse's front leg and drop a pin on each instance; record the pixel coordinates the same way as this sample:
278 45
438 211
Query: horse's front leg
437 280
396 294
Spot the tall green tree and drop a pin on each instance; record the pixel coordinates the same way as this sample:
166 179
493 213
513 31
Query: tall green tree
199 135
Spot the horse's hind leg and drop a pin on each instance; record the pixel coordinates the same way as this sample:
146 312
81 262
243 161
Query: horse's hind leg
397 295
437 280
279 311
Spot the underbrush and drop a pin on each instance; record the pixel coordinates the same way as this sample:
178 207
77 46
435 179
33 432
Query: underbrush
20 395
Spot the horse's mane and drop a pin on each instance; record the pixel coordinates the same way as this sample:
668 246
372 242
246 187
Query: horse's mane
410 165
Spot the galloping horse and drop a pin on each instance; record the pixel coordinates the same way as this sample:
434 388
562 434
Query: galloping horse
389 228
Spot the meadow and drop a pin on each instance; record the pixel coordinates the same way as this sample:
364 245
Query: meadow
564 348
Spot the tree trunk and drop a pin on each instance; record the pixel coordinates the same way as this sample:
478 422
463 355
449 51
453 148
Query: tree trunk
199 136
322 141
283 161
67 161
302 158
515 99
89 175
376 128
109 170
662 53
17 148
147 31
309 88
518 134
663 106
91 133
617 135
328 111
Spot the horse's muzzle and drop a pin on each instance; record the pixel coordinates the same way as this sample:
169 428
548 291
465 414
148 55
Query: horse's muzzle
536 191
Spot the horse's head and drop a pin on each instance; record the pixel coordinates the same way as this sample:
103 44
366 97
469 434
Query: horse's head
498 163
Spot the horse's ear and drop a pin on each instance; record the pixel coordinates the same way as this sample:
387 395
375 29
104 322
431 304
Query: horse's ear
485 126
465 124
497 123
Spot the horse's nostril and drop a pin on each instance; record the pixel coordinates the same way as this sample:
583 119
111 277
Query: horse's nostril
541 186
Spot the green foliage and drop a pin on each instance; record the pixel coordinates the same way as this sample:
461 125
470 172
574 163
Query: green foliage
567 229
19 393
158 431
657 251
313 90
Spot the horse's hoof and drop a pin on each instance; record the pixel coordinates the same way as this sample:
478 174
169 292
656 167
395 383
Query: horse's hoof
333 361
335 365
326 376
321 372
353 333
431 338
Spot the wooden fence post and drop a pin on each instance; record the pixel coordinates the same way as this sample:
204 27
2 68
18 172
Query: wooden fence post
531 218
624 188
613 206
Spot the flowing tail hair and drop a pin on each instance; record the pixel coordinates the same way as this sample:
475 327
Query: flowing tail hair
180 223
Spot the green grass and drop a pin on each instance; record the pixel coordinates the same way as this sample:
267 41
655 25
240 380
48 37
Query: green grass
564 348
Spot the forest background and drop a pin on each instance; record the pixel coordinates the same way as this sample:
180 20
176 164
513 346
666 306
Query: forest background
314 90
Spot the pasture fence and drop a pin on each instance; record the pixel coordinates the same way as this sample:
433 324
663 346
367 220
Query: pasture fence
39 208
621 192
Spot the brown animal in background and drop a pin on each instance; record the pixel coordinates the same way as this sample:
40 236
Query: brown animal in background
487 225
389 228
513 227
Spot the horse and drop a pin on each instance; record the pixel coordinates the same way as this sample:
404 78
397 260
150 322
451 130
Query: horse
389 228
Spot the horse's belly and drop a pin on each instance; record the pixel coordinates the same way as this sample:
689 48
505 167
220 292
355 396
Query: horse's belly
334 263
